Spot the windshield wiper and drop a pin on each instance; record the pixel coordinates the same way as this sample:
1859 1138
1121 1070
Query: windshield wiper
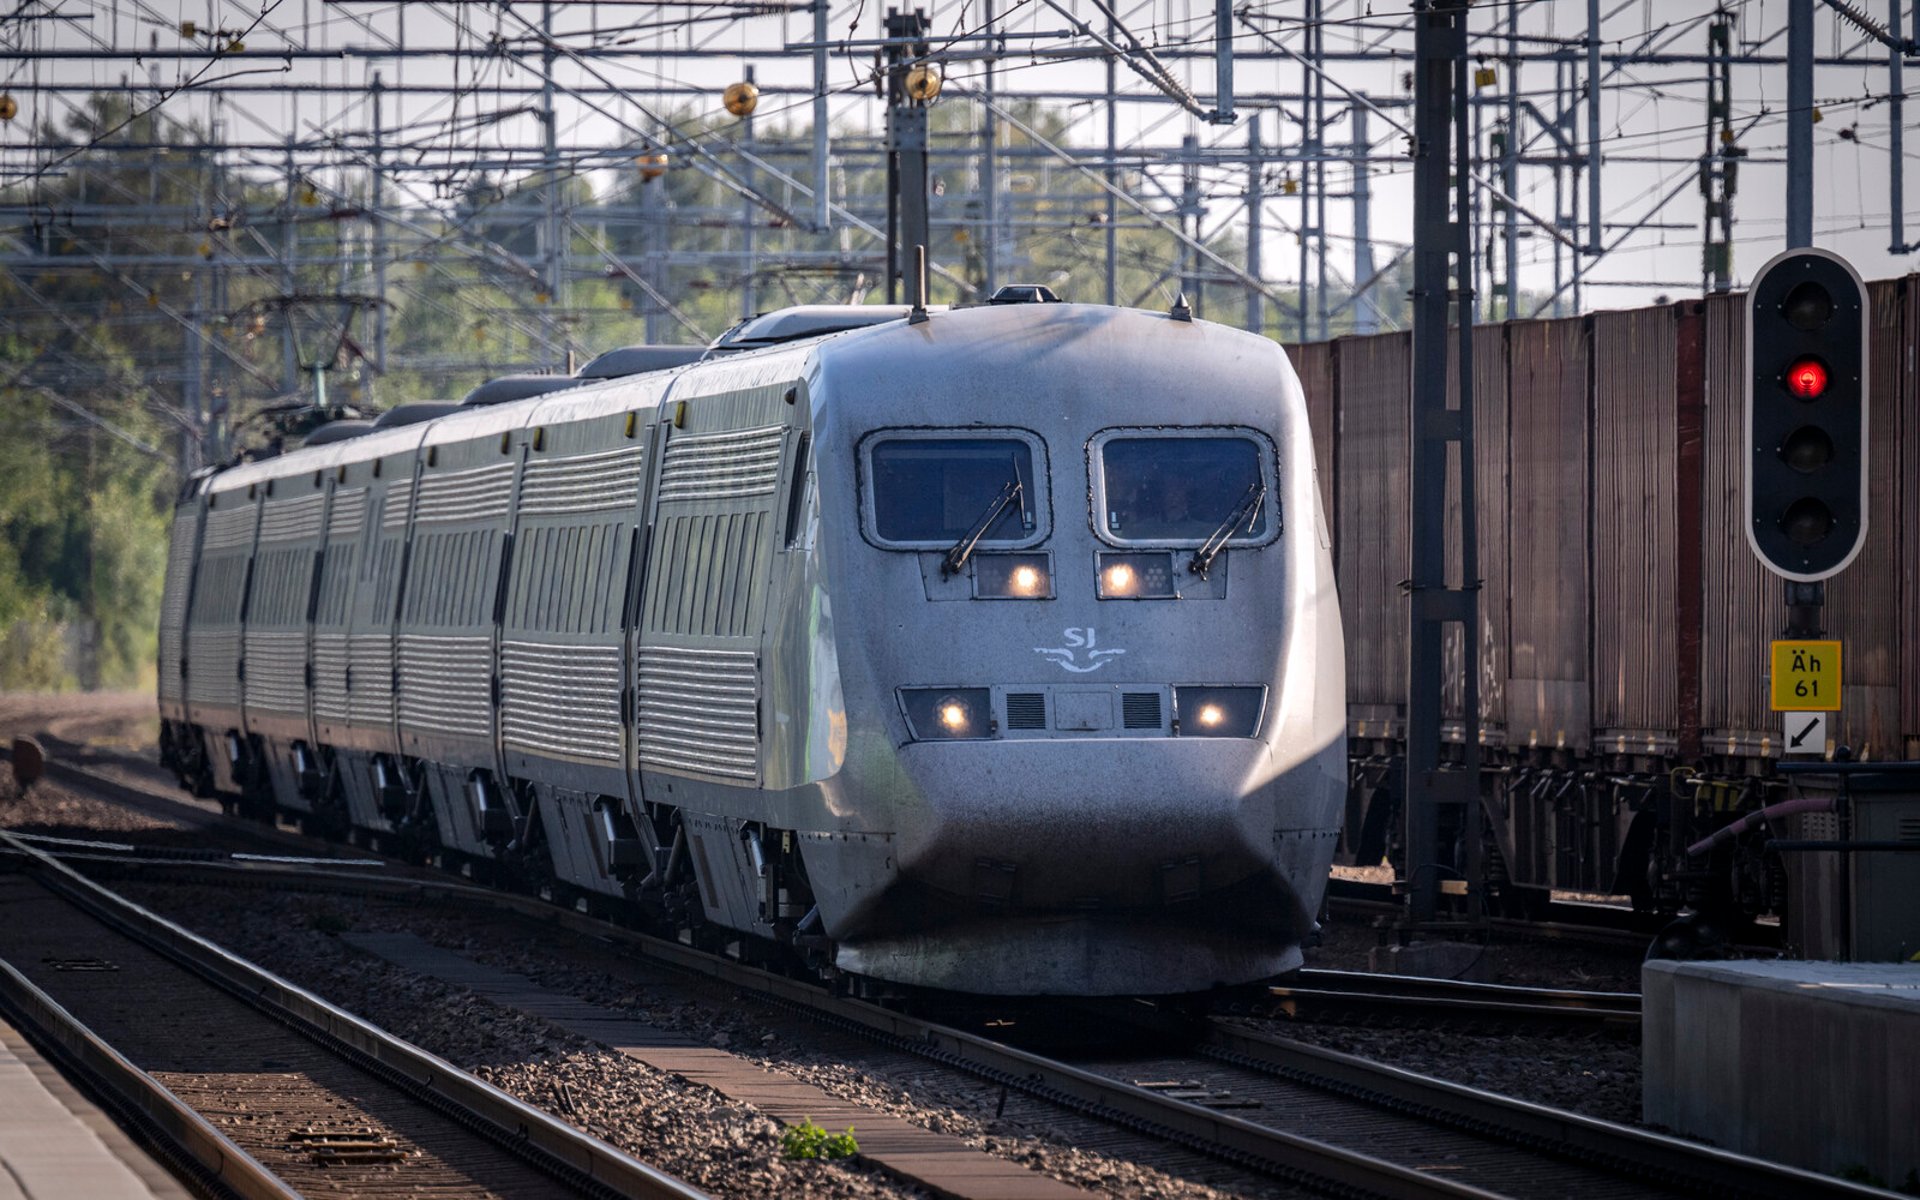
957 554
1247 510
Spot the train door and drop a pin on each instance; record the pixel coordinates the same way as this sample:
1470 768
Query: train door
444 651
214 624
354 705
275 670
698 717
563 628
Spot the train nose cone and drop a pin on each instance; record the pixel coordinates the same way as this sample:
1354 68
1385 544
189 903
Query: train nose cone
1109 867
1102 824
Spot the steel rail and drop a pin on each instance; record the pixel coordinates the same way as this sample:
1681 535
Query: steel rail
165 1125
580 1159
1341 995
1640 1153
1636 1153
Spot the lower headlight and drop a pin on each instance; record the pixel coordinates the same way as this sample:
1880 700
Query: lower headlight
1012 577
948 714
1218 711
1143 576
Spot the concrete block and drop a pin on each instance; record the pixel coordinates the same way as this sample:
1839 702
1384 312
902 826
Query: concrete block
1433 960
1808 1063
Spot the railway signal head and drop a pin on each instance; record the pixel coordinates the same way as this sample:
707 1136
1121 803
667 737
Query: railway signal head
1806 470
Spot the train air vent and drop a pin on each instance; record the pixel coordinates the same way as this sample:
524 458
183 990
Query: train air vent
1026 710
1140 710
1910 829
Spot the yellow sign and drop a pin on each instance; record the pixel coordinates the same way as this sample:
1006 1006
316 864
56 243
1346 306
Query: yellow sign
1806 676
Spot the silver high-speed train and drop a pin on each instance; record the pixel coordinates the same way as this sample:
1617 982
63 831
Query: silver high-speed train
995 651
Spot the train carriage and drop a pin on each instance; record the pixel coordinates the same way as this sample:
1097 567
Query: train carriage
995 651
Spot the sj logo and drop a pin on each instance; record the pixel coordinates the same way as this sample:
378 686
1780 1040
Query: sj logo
1081 653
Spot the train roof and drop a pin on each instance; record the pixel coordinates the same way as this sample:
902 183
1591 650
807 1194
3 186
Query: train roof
996 346
636 360
1202 369
505 389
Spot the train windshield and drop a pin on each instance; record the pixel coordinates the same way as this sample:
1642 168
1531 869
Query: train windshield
1182 489
932 490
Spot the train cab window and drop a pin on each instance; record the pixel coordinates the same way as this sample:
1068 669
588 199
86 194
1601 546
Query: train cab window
927 488
1169 487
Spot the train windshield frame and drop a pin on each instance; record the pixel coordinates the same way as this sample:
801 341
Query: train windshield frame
925 488
1177 487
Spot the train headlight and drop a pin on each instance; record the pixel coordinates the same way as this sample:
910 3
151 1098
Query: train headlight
1218 711
948 714
1137 576
1012 577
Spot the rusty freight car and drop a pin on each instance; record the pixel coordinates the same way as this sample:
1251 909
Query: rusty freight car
1623 622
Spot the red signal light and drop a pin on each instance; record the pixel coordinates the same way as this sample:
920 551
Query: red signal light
1807 378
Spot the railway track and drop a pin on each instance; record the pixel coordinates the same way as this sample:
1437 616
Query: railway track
1280 1108
1357 997
255 1088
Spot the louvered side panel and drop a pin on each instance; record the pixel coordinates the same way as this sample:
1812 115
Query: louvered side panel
349 513
588 483
330 660
1636 681
722 466
370 694
228 529
561 700
698 711
711 581
399 496
1371 553
481 494
173 599
277 671
292 520
213 678
446 684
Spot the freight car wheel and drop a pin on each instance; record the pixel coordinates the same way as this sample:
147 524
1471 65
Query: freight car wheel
1692 937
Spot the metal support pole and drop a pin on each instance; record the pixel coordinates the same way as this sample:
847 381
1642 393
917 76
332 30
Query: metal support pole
1896 143
1222 62
1799 123
1510 167
552 235
1719 166
749 300
379 247
653 222
1256 203
908 223
990 168
1190 220
1441 103
289 249
1594 244
1366 311
1112 228
822 207
1308 66
1317 33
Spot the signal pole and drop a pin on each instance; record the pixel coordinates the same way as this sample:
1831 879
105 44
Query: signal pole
1800 124
908 222
1440 247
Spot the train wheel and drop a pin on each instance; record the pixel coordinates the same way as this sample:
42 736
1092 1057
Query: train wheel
1693 937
